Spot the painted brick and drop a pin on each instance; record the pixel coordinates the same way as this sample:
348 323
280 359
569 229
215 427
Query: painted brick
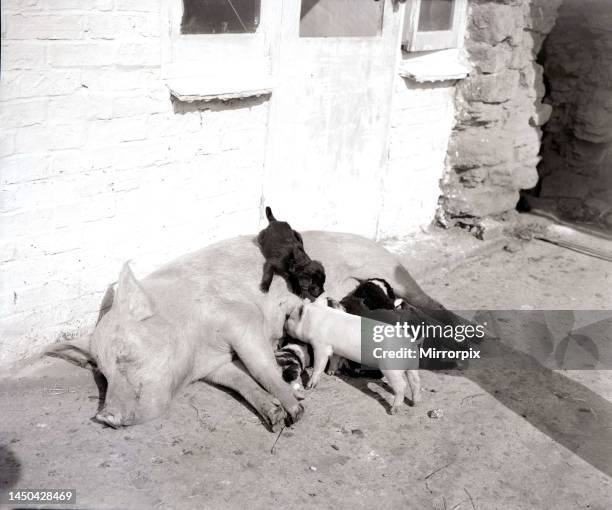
7 142
112 132
23 113
22 5
23 84
120 25
84 105
81 54
136 5
36 139
113 79
129 106
134 54
58 5
44 26
105 5
23 168
27 55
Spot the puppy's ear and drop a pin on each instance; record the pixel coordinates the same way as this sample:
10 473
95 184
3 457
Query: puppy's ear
332 303
298 238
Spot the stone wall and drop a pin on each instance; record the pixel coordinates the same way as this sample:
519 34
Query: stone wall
576 169
494 148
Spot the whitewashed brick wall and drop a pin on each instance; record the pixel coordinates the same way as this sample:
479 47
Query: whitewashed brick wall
98 166
421 122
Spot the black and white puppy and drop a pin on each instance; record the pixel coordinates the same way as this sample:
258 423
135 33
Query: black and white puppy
375 299
293 358
283 250
374 294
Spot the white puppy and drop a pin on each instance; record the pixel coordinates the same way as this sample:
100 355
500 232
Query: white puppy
331 331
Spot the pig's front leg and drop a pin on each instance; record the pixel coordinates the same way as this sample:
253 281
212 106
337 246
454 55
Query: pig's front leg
321 355
233 375
255 351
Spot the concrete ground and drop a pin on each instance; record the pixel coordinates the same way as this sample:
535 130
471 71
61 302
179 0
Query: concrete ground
508 437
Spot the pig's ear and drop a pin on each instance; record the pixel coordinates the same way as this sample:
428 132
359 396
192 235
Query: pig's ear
75 351
131 297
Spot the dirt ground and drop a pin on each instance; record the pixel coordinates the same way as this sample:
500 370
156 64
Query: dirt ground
508 438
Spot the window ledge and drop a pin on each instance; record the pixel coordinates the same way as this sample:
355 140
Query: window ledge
214 89
434 67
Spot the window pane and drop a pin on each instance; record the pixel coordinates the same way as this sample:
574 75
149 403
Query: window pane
341 18
436 15
220 16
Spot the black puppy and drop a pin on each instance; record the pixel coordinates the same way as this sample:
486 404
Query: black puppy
283 249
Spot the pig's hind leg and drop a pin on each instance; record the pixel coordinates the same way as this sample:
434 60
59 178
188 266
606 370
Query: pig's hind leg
235 377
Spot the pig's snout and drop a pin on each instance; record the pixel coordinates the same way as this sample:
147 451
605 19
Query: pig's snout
112 418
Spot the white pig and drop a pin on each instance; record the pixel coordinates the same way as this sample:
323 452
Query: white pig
204 317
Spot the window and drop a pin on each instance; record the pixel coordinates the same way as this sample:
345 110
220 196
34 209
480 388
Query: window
220 16
341 18
434 24
218 48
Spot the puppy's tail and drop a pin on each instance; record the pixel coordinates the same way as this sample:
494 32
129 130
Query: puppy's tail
269 214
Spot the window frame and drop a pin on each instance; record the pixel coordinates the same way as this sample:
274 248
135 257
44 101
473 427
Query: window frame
216 58
414 40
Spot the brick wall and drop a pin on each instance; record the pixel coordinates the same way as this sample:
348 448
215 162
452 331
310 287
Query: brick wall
421 123
98 165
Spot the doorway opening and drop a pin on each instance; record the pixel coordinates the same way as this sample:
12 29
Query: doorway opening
575 173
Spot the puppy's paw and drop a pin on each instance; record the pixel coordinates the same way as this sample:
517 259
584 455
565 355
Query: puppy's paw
312 384
298 391
264 288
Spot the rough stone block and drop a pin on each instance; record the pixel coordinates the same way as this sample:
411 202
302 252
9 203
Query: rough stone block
491 88
542 115
489 59
481 201
479 147
493 23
